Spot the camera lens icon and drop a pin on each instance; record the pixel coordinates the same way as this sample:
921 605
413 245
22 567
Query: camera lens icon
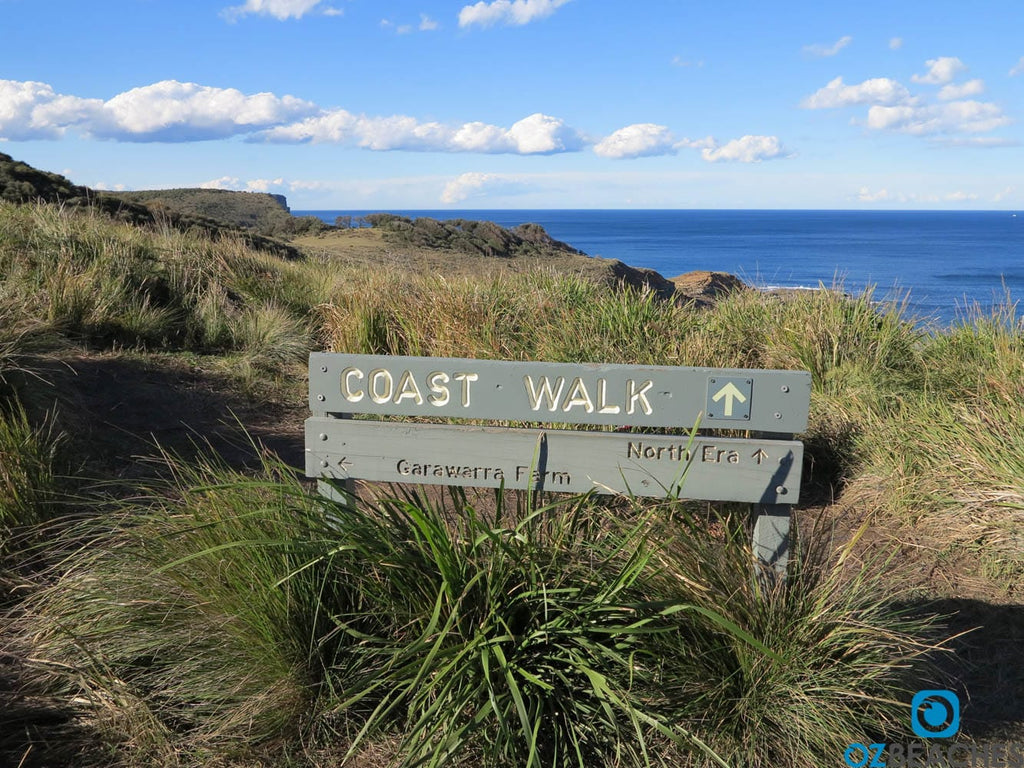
935 714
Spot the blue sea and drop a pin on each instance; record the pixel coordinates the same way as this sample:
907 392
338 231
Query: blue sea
942 262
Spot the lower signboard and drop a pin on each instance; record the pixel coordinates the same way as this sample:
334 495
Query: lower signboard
724 469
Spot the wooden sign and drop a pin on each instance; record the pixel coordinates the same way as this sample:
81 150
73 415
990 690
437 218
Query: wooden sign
764 472
725 469
619 395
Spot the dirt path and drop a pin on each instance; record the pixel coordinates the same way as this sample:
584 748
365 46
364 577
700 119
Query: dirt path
121 410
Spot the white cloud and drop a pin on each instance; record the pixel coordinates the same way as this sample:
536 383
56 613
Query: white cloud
977 142
478 137
865 195
171 111
514 12
951 117
535 134
164 111
167 111
638 140
1018 68
879 90
679 61
265 185
541 134
174 111
961 90
749 149
426 25
236 184
893 108
940 71
998 197
824 51
32 110
476 185
279 9
895 43
224 182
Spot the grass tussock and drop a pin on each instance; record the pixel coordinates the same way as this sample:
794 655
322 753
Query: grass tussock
231 616
184 624
82 276
29 483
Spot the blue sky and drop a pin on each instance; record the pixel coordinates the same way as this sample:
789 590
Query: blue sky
363 104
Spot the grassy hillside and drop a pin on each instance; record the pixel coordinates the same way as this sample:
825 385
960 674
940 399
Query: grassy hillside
256 211
21 183
462 249
210 613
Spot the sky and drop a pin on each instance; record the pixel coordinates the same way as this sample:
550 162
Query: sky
427 104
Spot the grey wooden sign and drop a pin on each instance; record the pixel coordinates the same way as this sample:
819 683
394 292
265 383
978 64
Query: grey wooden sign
724 469
764 472
621 395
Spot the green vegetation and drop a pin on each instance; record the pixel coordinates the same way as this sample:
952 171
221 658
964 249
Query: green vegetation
21 183
232 617
227 615
460 235
255 211
107 283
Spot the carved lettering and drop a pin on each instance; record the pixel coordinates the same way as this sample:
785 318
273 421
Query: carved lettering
713 455
641 450
578 395
602 398
633 395
380 386
407 389
408 468
346 385
378 375
545 390
436 380
466 379
547 478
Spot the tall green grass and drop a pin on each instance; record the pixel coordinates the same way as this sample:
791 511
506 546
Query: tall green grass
235 616
110 284
184 624
29 481
923 423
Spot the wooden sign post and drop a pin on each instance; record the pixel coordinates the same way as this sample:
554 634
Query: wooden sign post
763 470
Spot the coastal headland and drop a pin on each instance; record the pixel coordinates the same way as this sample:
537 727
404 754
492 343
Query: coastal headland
172 592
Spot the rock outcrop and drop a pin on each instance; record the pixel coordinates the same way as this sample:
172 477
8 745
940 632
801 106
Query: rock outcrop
703 288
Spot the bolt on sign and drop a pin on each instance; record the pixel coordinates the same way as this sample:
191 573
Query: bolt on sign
764 470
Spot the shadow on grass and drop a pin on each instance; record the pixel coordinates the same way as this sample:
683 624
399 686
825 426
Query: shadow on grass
987 670
117 409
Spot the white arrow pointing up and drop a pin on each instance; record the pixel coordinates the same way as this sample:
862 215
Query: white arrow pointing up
731 395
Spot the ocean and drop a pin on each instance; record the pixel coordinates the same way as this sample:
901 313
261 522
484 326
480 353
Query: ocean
941 262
